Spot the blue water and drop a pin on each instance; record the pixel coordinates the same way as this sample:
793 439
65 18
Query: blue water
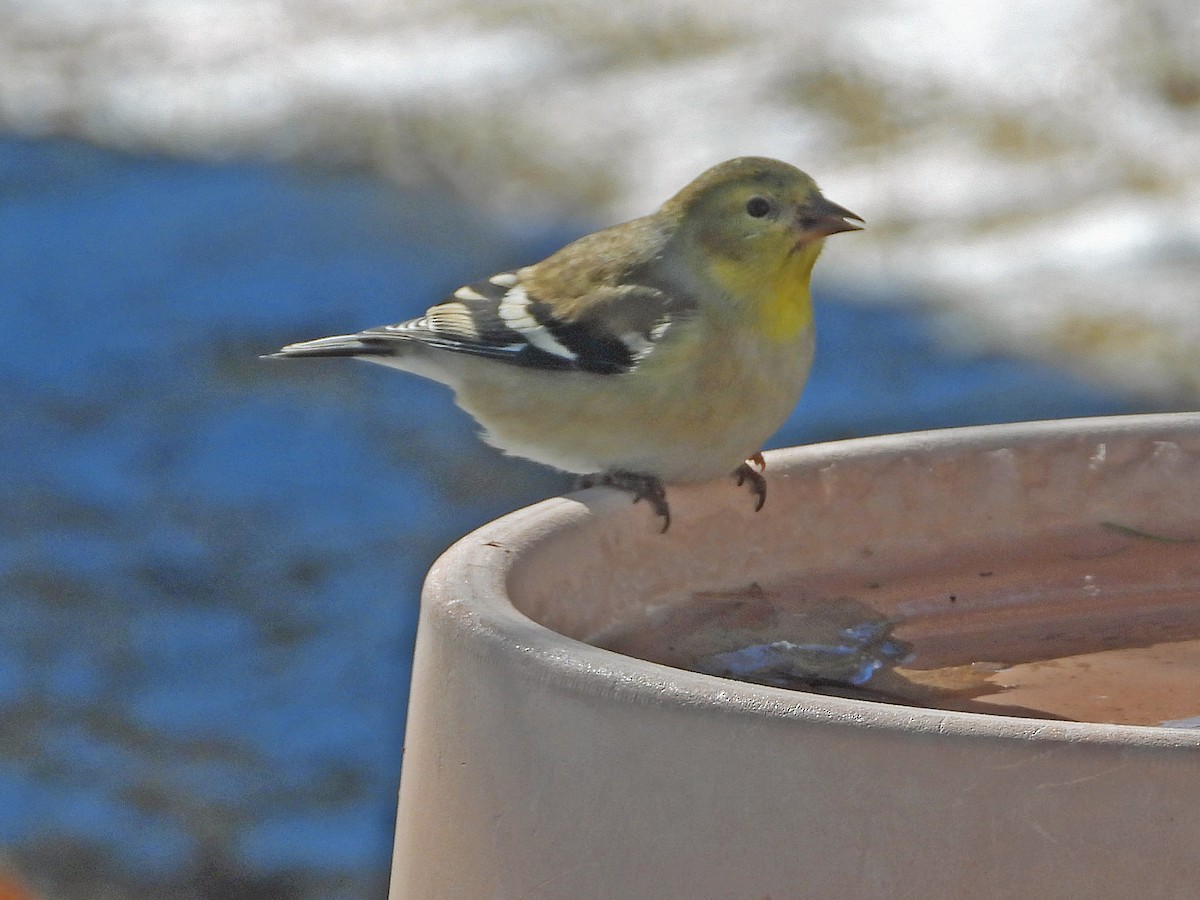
209 564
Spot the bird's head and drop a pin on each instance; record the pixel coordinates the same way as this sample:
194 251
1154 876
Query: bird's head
756 210
759 224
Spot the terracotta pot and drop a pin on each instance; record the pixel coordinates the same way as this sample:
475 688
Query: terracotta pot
539 766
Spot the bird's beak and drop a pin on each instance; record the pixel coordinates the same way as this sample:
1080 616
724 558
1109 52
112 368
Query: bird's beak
818 218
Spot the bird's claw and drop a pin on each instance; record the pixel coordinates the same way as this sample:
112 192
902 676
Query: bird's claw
643 487
650 489
747 473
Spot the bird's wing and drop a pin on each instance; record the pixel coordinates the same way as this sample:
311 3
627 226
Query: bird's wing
501 318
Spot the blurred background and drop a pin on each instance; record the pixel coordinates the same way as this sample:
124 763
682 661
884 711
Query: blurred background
210 564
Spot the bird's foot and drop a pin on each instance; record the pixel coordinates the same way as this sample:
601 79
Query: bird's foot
746 473
643 487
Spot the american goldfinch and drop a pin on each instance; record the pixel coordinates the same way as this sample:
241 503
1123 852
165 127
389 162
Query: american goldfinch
665 349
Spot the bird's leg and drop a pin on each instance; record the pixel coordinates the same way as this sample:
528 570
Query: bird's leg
643 487
747 473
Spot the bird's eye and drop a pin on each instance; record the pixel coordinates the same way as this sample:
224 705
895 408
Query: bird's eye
758 207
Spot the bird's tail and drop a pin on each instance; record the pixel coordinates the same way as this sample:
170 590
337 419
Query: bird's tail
338 345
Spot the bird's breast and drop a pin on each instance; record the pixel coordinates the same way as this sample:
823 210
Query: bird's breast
771 296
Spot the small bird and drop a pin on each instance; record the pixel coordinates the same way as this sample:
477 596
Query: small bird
666 349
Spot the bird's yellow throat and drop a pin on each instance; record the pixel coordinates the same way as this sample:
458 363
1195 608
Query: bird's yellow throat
774 288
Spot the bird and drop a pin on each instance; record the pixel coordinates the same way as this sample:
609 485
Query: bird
663 350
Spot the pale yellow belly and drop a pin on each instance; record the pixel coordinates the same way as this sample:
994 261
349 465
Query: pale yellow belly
670 417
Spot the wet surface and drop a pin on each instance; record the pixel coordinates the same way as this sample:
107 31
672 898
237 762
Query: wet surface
1100 626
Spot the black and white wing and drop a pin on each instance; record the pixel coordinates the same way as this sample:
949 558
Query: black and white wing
607 333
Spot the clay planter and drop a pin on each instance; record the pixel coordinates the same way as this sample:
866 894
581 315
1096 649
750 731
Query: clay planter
539 766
